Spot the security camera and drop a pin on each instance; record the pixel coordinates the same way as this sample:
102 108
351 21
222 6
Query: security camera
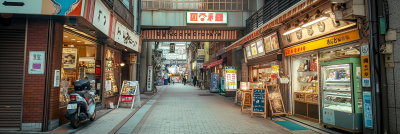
92 32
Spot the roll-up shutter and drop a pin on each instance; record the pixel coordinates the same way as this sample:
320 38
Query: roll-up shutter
12 48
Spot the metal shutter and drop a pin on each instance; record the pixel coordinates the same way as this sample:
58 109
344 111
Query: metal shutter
12 48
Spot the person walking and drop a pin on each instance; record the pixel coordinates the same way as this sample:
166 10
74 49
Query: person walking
184 80
169 80
194 80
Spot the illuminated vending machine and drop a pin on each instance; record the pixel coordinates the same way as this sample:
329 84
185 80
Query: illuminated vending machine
230 81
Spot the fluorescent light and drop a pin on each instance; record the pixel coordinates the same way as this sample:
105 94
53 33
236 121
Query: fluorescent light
66 36
78 41
72 28
314 21
72 39
291 31
65 25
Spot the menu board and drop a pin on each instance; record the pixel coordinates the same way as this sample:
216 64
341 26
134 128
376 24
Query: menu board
258 100
253 49
260 46
275 100
248 51
271 42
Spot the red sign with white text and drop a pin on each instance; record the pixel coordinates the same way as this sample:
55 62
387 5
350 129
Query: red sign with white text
201 17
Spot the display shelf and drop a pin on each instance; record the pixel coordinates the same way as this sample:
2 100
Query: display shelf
337 81
336 90
308 71
337 103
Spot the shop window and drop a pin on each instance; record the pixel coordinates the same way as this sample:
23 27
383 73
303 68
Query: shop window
305 78
112 72
78 62
265 73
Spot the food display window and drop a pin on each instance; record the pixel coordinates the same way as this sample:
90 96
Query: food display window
305 70
112 72
265 73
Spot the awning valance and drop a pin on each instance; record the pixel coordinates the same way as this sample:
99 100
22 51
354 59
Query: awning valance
218 62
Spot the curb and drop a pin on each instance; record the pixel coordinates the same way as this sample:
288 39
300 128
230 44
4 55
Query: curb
260 117
119 125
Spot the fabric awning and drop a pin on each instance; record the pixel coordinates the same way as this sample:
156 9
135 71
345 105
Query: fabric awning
215 63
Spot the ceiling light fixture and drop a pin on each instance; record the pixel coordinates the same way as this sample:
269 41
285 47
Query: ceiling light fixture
291 31
314 21
72 28
78 41
122 64
126 49
72 39
66 36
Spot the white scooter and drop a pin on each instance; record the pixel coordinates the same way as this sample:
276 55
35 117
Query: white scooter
82 105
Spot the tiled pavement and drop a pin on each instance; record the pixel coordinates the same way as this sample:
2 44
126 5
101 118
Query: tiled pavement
180 109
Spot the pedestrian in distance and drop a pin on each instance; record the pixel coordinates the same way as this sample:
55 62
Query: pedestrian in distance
169 80
194 80
184 80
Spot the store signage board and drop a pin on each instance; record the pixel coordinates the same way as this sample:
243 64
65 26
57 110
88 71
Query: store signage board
205 35
101 17
325 42
49 7
126 37
204 17
207 52
367 101
149 78
128 92
366 78
172 48
200 52
36 62
56 78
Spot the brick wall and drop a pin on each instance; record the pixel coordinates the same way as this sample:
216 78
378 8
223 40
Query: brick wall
56 112
34 84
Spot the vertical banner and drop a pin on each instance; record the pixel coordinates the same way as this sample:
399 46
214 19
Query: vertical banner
366 81
97 73
214 82
149 77
206 47
367 110
36 62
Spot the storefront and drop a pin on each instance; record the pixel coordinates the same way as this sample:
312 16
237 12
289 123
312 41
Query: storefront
322 60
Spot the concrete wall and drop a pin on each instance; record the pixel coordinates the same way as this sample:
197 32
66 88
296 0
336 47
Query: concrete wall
393 77
168 18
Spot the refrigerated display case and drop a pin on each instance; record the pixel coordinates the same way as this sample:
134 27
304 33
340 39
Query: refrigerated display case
341 93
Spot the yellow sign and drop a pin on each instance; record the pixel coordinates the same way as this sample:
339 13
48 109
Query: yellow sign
194 65
325 42
230 71
365 66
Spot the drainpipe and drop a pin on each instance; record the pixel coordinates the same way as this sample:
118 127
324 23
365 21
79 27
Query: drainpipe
48 74
374 66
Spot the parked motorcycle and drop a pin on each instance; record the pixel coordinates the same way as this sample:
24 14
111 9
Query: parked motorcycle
82 104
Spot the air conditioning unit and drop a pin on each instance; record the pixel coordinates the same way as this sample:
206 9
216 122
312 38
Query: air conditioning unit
354 9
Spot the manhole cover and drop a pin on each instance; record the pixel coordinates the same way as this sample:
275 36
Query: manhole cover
206 94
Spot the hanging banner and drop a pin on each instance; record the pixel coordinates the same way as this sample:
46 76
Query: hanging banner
190 34
206 49
149 78
36 62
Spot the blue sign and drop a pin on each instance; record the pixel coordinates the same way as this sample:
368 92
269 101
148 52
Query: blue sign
214 81
367 110
258 100
222 85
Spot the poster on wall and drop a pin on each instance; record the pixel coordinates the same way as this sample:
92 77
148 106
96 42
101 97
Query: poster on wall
69 57
149 78
108 85
36 62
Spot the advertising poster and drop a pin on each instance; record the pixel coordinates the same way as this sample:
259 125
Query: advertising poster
260 46
108 85
267 42
253 49
244 85
36 62
230 79
69 57
367 110
248 51
274 41
214 81
128 92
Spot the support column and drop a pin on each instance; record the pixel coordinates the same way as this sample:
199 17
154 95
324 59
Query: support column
143 67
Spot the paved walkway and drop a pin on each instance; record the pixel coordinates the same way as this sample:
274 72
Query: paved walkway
186 109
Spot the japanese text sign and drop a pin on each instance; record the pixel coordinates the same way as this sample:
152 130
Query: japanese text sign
126 37
101 17
325 42
366 81
36 62
202 17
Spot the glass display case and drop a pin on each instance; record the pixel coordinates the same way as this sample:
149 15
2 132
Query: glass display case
341 93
